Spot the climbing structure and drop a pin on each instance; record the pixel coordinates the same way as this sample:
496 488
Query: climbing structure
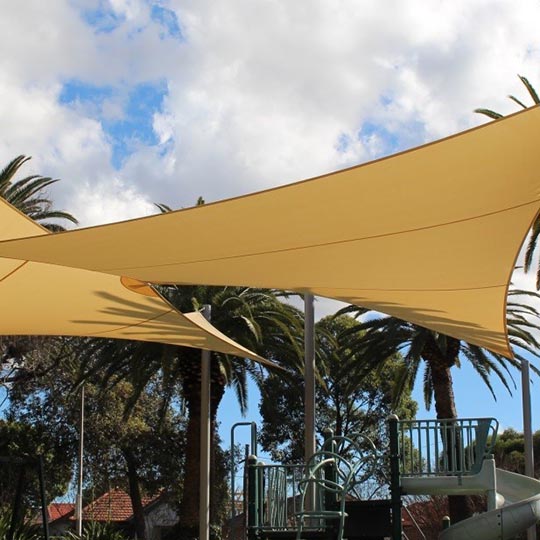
350 489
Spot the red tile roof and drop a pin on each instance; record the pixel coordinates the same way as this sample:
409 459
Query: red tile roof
60 510
113 506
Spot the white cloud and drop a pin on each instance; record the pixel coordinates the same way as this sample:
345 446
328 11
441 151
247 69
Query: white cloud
259 94
109 200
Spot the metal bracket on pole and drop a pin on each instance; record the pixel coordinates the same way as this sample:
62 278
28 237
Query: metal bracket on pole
204 481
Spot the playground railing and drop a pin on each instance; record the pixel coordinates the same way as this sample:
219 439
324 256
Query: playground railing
275 495
445 447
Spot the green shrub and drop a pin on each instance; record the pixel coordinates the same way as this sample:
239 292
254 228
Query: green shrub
24 531
97 531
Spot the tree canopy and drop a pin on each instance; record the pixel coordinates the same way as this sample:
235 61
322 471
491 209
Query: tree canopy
348 399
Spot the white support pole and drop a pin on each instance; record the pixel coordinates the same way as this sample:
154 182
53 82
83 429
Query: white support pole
527 430
79 506
309 376
204 481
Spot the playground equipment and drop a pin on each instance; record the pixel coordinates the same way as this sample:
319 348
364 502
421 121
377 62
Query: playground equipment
331 497
454 457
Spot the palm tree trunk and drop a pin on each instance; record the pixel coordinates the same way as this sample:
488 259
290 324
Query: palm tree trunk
188 525
189 505
217 390
443 390
460 507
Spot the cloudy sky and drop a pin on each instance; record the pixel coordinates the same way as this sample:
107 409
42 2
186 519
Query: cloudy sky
132 102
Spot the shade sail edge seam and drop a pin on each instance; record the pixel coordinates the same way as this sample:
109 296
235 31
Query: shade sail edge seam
14 271
314 246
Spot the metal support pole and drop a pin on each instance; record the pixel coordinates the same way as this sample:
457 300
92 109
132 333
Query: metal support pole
527 430
309 376
395 479
204 481
309 389
79 505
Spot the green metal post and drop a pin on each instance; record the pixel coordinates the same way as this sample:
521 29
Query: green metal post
253 498
329 471
395 479
261 490
253 451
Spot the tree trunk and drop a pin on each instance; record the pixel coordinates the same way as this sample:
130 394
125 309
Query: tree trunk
440 364
217 390
188 526
135 495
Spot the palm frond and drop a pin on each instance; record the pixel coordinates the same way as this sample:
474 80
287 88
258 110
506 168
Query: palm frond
489 113
530 89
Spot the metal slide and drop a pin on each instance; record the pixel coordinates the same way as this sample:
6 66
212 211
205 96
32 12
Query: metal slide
521 510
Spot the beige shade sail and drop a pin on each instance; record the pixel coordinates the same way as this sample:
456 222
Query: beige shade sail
43 299
430 235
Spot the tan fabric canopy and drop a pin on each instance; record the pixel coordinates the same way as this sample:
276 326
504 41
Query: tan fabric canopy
430 235
42 299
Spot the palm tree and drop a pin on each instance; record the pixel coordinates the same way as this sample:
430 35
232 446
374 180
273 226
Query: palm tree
29 196
380 338
535 229
256 318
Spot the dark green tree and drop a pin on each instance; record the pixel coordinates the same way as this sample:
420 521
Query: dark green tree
141 451
349 399
22 441
256 318
509 451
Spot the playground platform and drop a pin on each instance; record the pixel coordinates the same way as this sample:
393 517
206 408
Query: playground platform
351 489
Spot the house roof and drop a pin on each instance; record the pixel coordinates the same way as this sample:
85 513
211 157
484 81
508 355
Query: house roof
430 235
60 510
115 505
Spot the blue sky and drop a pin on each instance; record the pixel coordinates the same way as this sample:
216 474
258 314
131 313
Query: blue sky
124 113
132 102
